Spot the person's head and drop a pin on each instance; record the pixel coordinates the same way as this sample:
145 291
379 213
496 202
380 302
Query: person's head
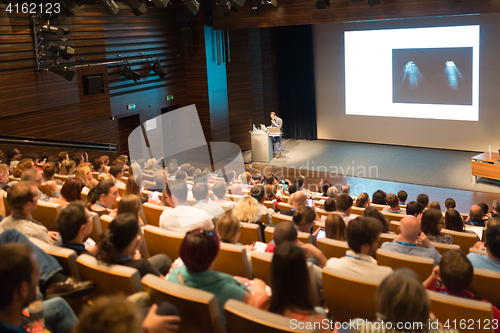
19 274
289 280
179 191
375 213
48 170
285 232
133 185
110 314
493 241
299 199
68 167
23 197
476 213
273 116
4 173
304 218
332 192
335 228
159 179
116 170
330 205
105 159
455 271
401 297
230 176
32 175
85 174
392 200
423 199
219 190
236 189
496 206
199 249
181 175
432 222
269 178
200 191
79 157
247 210
105 193
129 204
271 191
344 203
99 164
35 157
23 165
121 237
414 208
484 207
491 222
151 164
453 220
72 189
402 196
246 178
299 183
435 205
363 200
345 189
363 235
228 228
73 221
13 154
62 156
409 228
258 192
325 185
450 203
292 189
379 197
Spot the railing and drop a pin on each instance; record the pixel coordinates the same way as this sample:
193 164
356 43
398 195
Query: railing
77 145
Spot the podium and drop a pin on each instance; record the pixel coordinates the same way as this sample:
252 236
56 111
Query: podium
262 146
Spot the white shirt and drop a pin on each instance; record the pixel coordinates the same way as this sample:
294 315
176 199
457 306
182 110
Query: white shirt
211 208
360 264
346 218
185 218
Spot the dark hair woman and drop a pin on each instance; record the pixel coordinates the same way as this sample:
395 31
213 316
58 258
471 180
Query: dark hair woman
335 228
71 191
101 197
431 225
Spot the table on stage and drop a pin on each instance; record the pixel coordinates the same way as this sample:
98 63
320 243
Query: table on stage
486 165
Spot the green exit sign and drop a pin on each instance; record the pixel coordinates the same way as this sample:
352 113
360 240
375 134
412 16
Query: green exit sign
130 106
170 97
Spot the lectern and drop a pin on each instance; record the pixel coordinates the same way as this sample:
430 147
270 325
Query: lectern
262 146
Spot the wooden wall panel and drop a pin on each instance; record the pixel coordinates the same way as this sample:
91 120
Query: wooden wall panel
95 106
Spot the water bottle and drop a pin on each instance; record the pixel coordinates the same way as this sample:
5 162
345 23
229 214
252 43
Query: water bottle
489 150
37 323
254 128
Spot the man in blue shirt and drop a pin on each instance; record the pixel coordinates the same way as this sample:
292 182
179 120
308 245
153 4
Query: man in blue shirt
475 216
491 260
409 235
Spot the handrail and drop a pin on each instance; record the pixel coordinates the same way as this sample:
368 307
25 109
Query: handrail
66 144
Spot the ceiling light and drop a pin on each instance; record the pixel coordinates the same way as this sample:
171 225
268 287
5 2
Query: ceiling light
160 71
53 30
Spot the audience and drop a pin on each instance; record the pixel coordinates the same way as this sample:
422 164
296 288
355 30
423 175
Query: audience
133 186
344 204
392 201
35 175
431 224
375 213
330 205
485 209
450 203
116 170
24 164
248 210
363 200
299 200
335 228
200 193
402 196
304 219
491 260
48 172
70 191
379 197
102 197
258 192
415 209
345 189
74 224
220 192
476 216
4 176
496 208
68 168
423 199
332 192
434 205
453 221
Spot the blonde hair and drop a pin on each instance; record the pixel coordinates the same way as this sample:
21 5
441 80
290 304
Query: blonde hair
67 165
247 210
81 172
151 164
227 228
106 176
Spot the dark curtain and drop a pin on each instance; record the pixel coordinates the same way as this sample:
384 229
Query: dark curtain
295 67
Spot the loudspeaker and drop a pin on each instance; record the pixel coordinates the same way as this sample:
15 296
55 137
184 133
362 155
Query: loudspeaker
92 84
187 36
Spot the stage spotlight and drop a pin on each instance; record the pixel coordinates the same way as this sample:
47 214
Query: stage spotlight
322 4
373 2
70 7
109 6
56 31
159 3
224 6
131 74
63 71
160 71
66 52
138 7
272 2
192 5
255 7
238 3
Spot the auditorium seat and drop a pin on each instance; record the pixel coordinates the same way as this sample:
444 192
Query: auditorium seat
250 233
466 312
8 208
46 212
443 248
284 206
393 217
198 309
159 240
278 218
478 251
386 237
261 265
269 204
302 236
62 178
348 295
234 197
319 204
332 248
232 259
482 285
464 239
46 191
322 212
318 225
95 175
421 265
105 220
243 318
357 210
65 257
394 227
379 207
96 228
109 279
152 213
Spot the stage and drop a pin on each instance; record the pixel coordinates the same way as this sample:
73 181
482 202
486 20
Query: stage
436 168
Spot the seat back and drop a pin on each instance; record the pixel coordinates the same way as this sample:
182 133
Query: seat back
110 279
269 204
63 178
8 208
379 207
199 309
105 220
232 259
421 265
46 213
464 239
278 218
243 318
65 257
164 241
332 248
395 227
357 295
284 206
250 233
357 210
469 315
46 191
96 228
482 285
302 236
384 237
322 212
394 217
152 213
261 265
443 248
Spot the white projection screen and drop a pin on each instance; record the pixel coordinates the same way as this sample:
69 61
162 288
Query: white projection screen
417 82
